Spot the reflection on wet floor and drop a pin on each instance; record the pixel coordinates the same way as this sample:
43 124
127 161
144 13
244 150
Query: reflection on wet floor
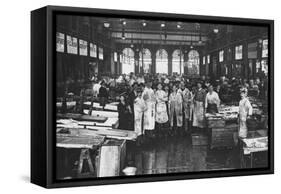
179 155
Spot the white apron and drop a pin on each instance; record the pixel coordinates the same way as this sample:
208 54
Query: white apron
245 109
149 113
161 108
198 115
149 116
139 107
175 106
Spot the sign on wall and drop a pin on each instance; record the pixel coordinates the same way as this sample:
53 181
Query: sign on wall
221 53
93 50
252 50
115 56
100 53
60 42
238 52
83 47
265 48
71 44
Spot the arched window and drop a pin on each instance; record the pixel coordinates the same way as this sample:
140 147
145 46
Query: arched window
145 60
162 61
193 63
128 61
177 62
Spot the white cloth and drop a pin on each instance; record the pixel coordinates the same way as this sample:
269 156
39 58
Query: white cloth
198 115
149 114
161 108
212 98
245 109
139 108
96 89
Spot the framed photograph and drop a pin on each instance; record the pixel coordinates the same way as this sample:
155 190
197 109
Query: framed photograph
149 96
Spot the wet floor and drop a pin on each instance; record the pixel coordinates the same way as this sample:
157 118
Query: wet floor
178 154
171 155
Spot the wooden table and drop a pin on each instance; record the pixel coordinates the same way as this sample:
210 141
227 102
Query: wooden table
81 117
107 107
85 144
249 148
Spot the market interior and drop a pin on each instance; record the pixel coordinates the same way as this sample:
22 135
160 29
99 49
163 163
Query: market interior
143 96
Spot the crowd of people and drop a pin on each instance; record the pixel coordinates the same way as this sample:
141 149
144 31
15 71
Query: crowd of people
162 106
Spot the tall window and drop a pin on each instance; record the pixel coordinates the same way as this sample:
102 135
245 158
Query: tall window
128 61
177 62
145 60
221 56
162 61
238 52
204 60
193 63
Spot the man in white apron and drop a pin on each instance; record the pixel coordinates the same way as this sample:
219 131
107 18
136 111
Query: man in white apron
187 98
199 107
245 110
149 114
139 108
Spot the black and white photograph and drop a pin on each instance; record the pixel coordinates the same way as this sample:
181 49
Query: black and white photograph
138 96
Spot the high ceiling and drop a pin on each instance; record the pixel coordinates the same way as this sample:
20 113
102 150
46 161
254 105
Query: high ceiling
130 31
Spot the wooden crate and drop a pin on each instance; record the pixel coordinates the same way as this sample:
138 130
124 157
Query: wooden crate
223 137
111 159
216 123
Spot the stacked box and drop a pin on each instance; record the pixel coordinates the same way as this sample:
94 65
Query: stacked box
223 137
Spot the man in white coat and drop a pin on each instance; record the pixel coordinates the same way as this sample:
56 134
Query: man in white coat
245 111
149 114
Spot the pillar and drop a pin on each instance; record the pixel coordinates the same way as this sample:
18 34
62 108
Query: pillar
153 61
170 59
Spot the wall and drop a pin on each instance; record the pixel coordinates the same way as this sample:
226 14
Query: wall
227 41
75 66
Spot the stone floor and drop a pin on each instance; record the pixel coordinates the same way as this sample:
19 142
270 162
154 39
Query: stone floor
174 154
177 154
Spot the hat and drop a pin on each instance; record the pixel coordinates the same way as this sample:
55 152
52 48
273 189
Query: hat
138 89
243 90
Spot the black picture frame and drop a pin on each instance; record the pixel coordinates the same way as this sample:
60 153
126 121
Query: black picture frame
43 48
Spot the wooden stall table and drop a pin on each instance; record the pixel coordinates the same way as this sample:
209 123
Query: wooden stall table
110 122
68 104
85 144
81 117
254 143
71 123
108 107
100 113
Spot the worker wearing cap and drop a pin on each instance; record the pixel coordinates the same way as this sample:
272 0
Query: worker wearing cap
245 110
139 108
